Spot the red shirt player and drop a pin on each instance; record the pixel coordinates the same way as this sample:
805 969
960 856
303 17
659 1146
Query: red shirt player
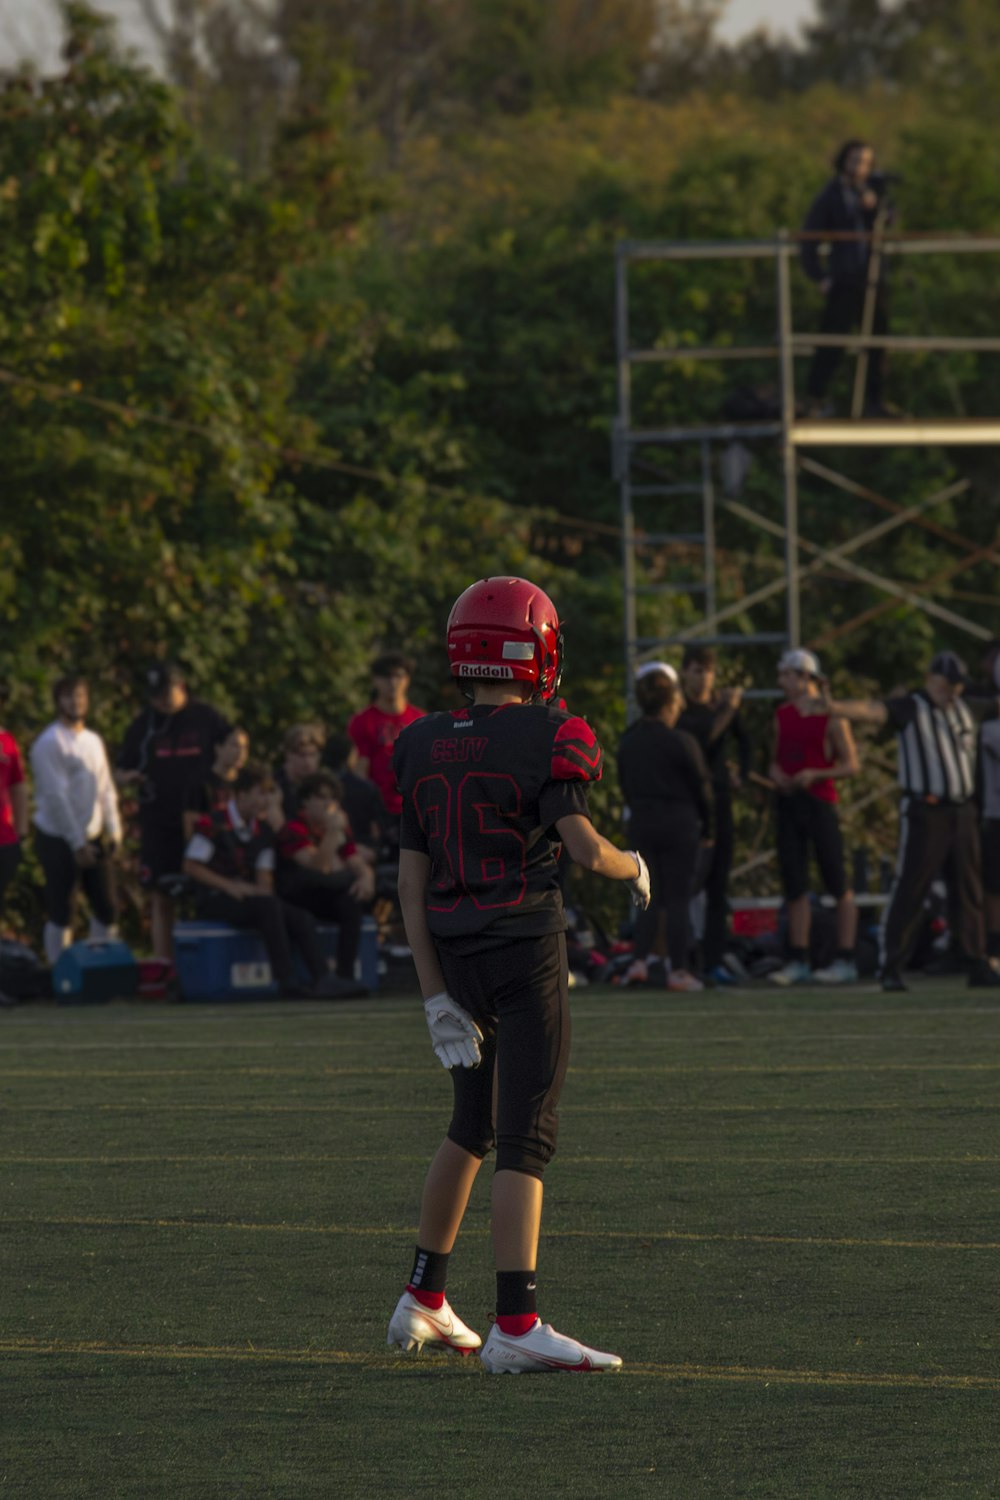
13 813
376 729
489 793
812 751
13 803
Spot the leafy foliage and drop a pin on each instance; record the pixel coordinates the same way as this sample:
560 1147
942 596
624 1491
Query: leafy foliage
269 420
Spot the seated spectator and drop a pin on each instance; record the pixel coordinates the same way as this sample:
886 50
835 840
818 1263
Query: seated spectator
320 868
232 748
303 747
359 797
376 729
77 824
231 859
166 748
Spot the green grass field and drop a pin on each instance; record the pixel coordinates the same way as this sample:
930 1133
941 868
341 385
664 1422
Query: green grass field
782 1210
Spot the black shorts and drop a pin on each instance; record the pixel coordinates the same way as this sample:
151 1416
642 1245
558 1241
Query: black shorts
990 841
161 852
805 822
518 992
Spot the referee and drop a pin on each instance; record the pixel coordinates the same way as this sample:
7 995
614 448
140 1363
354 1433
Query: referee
936 733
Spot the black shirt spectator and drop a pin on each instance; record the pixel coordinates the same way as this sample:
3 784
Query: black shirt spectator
667 788
215 789
699 721
847 205
167 747
712 717
359 797
661 769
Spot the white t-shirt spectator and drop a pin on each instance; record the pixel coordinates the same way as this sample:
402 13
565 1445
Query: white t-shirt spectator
75 797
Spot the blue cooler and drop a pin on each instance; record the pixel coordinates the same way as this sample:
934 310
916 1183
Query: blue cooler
217 962
91 972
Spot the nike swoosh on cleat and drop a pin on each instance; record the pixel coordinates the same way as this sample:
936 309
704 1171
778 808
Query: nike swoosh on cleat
558 1364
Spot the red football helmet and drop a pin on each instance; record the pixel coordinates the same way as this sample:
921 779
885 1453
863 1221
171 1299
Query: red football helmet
506 629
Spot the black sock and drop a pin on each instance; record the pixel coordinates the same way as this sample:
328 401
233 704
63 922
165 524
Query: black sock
430 1271
516 1293
846 955
798 955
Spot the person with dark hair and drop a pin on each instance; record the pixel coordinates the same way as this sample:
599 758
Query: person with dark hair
320 868
230 751
847 205
712 716
231 859
13 809
668 793
167 748
77 823
811 752
302 749
359 798
939 821
376 729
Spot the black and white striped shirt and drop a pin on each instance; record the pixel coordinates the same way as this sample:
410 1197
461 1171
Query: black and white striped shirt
937 747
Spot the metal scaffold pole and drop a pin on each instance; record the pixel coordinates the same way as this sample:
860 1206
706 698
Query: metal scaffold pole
655 448
788 455
623 466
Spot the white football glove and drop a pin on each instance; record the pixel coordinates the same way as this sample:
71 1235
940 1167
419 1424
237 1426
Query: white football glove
455 1036
639 886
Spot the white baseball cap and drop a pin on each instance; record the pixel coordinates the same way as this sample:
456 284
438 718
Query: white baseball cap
800 661
649 667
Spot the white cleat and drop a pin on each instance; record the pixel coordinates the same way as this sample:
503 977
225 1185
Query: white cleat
541 1351
412 1326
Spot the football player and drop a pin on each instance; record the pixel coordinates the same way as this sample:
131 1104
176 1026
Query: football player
493 794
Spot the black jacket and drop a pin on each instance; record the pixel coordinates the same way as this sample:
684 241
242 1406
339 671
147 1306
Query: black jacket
659 767
837 210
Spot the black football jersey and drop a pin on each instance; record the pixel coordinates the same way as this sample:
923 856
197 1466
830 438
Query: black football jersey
482 788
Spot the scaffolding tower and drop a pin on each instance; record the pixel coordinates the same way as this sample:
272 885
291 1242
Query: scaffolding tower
795 437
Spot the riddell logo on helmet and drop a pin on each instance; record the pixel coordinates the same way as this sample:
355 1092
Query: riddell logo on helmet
483 669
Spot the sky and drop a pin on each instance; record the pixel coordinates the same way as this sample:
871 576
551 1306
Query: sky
27 26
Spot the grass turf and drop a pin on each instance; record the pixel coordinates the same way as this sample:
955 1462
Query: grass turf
781 1209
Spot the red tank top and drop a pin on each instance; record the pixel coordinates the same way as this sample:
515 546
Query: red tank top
802 747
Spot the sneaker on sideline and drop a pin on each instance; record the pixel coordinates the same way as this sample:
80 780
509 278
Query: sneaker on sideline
841 971
722 976
542 1351
681 982
412 1326
794 972
636 973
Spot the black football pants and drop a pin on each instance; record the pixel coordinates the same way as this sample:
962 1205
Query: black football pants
939 839
518 993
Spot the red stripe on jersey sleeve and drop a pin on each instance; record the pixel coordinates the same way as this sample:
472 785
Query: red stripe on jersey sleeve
576 753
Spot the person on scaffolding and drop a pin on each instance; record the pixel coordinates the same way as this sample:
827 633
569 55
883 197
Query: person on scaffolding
853 202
